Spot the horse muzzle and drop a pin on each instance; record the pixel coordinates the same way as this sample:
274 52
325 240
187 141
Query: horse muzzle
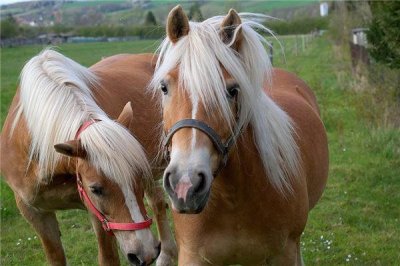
188 192
135 260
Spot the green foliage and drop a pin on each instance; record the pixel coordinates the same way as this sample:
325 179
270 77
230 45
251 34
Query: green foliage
195 13
384 32
298 26
60 28
150 19
8 28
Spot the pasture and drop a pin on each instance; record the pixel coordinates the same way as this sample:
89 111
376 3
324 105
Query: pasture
355 223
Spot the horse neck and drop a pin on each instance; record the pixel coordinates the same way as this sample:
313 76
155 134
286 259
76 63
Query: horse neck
19 143
243 172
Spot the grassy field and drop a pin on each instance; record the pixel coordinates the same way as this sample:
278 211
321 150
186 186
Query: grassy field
356 221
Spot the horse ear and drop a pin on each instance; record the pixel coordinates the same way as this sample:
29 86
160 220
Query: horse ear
126 115
177 24
72 148
228 27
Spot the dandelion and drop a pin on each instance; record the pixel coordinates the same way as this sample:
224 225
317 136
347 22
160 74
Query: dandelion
347 259
18 243
29 239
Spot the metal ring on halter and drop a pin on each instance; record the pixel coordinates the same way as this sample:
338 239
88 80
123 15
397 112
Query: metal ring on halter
105 225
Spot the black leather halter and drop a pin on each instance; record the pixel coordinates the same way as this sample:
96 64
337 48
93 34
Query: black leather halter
223 148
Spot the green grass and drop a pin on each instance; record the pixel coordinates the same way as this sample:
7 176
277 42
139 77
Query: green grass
357 220
355 223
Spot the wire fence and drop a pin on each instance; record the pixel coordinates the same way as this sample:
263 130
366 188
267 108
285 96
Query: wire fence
289 45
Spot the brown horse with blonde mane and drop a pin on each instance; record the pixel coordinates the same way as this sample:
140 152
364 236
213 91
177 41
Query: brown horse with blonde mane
247 150
63 105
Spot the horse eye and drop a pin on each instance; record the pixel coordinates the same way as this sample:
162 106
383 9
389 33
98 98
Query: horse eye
164 88
233 91
97 190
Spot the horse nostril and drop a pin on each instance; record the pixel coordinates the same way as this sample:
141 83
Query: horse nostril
202 182
134 260
157 254
167 181
158 249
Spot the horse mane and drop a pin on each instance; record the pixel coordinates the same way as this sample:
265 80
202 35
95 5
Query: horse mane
199 57
55 98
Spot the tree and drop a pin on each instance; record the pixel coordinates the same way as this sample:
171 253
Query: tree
150 19
8 27
195 13
384 32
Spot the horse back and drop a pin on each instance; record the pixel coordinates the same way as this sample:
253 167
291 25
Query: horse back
124 78
299 102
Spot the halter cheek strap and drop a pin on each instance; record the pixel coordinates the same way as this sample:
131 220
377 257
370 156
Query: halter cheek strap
222 148
107 226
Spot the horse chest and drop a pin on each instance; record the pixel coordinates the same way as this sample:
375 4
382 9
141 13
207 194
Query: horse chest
239 226
242 237
238 247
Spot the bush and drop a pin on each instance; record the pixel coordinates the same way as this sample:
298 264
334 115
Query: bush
9 28
384 32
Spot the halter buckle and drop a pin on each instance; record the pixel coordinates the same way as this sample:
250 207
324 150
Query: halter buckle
105 225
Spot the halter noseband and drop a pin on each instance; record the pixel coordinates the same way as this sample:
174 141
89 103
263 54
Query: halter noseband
223 148
107 226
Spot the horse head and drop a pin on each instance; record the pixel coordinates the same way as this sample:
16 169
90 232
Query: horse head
116 201
200 105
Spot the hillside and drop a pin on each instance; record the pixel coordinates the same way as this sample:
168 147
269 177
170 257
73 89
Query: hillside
117 12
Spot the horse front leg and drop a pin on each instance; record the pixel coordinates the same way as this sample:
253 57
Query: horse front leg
46 226
107 245
168 247
291 255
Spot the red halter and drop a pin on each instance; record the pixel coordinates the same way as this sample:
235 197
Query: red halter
107 226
